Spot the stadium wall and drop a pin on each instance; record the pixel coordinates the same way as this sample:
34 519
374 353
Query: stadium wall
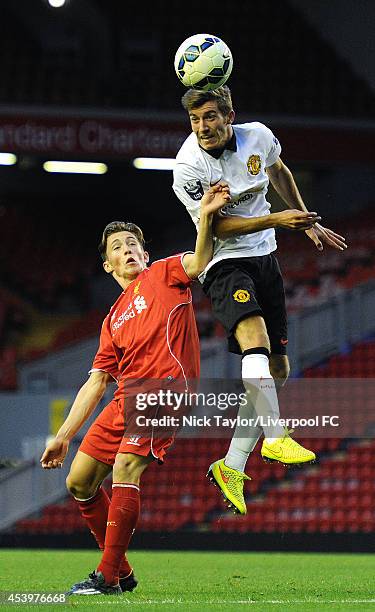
200 540
314 334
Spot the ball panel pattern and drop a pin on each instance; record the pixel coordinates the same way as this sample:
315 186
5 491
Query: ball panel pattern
203 62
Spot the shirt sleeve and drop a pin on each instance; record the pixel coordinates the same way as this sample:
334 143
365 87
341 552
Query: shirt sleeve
273 146
105 358
189 186
171 271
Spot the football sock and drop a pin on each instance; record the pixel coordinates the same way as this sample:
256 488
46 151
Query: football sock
261 389
122 519
244 438
95 512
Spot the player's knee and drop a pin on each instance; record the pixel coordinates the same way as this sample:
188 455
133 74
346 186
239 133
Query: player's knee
253 341
79 489
128 467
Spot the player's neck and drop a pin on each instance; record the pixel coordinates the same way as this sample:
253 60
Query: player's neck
230 134
126 282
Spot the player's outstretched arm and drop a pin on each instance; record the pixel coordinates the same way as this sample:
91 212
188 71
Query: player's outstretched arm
225 227
84 404
283 182
212 201
299 218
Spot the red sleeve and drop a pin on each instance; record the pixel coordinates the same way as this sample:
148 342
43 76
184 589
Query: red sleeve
171 271
105 358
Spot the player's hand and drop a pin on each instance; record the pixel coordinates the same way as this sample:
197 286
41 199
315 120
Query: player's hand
55 453
215 198
319 234
296 219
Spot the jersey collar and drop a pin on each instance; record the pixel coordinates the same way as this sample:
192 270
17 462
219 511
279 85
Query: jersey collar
231 146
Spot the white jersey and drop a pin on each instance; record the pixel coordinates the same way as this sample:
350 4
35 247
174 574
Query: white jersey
243 166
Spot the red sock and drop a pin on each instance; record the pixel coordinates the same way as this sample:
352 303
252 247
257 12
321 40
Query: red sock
122 519
95 513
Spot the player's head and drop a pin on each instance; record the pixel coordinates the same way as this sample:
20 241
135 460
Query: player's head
211 116
122 250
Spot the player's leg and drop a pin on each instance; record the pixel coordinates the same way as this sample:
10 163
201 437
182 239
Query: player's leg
252 337
243 317
228 473
251 332
234 289
84 482
85 476
123 512
134 456
93 462
231 285
271 297
244 440
122 518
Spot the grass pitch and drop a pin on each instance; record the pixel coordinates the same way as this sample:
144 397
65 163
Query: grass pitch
200 580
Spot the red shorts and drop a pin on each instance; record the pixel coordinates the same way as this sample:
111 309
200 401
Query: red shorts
106 438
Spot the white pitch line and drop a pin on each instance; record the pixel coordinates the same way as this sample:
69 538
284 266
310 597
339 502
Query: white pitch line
122 601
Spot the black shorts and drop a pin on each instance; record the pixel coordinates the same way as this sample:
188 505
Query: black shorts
247 286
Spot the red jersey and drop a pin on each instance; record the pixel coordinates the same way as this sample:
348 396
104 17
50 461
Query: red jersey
150 332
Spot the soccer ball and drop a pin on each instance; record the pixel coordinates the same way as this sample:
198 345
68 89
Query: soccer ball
203 62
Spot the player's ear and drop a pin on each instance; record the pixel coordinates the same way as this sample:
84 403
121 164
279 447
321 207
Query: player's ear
107 267
230 117
146 257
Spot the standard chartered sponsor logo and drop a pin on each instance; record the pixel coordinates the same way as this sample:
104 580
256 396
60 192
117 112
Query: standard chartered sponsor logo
135 307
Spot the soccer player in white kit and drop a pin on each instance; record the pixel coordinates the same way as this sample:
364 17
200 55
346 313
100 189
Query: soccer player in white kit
243 278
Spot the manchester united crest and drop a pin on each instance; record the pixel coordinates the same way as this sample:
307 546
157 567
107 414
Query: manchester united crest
241 295
253 164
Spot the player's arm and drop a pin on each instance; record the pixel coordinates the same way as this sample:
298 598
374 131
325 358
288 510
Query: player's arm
83 406
283 182
214 199
226 227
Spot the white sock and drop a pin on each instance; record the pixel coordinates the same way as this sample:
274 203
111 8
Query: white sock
260 386
261 392
244 439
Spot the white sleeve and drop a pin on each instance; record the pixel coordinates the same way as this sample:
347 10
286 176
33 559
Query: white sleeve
189 186
273 147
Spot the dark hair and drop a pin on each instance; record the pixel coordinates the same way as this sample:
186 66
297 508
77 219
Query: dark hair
194 98
119 226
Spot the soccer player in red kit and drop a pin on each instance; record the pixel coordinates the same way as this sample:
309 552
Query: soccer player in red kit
150 333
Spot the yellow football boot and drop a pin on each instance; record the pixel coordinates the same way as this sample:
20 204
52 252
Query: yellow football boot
230 482
286 451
